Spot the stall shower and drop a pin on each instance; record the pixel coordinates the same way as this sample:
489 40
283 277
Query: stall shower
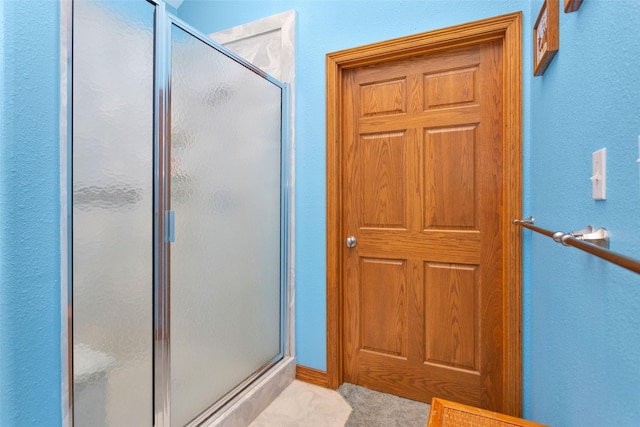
179 173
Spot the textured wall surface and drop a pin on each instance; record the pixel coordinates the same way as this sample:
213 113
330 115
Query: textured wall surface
582 318
323 27
29 215
581 329
585 313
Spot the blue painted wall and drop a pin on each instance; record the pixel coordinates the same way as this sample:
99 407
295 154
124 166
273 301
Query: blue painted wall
581 329
29 214
585 313
582 316
323 27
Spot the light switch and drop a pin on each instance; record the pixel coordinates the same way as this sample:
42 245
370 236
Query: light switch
599 174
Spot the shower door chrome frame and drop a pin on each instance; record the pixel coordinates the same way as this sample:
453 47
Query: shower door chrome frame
161 337
66 190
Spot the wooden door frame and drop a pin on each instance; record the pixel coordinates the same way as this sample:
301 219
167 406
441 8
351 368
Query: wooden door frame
508 29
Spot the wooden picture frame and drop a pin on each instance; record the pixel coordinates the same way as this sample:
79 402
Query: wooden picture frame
546 36
572 5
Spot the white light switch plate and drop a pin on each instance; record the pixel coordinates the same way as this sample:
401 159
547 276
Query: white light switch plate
599 174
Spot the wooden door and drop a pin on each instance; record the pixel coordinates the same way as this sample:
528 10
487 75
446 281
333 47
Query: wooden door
423 190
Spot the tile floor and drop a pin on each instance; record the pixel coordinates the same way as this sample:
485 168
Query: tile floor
303 404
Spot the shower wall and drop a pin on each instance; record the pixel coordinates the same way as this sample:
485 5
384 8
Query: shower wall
112 213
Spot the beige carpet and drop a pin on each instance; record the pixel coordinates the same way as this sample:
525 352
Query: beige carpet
374 409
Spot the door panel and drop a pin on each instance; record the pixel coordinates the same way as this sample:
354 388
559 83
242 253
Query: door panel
225 263
383 180
383 98
450 178
423 193
384 306
451 315
450 88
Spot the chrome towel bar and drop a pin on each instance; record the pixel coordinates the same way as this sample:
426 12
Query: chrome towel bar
590 240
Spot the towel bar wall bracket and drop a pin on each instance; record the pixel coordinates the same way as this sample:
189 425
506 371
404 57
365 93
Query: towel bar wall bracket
588 239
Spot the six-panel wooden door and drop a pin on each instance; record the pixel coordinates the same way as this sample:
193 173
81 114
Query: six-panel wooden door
423 196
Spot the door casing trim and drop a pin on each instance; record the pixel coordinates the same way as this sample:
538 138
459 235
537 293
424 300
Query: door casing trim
505 28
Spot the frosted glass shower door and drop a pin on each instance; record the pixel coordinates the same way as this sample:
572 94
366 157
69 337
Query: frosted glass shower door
225 189
113 196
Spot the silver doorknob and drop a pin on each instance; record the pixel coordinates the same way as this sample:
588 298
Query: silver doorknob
352 242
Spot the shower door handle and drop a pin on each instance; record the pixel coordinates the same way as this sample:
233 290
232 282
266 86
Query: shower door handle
352 242
170 219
